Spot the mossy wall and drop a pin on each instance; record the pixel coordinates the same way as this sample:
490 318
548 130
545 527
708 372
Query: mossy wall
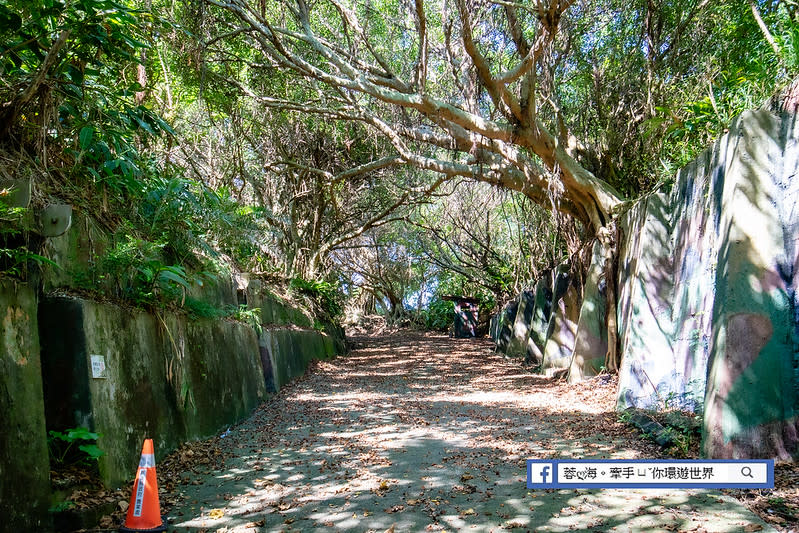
707 305
24 464
275 310
166 377
562 330
77 254
291 351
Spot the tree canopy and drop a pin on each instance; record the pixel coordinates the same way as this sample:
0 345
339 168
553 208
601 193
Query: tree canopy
341 140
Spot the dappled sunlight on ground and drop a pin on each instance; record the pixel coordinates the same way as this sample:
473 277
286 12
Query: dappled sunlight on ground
424 432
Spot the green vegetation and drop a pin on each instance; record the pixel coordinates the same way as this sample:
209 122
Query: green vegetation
208 144
678 432
326 295
438 315
15 255
73 446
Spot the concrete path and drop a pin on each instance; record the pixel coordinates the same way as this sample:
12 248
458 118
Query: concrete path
427 433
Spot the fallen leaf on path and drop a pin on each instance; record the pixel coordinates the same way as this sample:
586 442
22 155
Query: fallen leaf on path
216 514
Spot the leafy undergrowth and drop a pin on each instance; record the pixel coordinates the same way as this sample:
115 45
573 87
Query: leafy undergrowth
677 433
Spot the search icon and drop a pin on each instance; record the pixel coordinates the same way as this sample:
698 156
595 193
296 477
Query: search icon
747 472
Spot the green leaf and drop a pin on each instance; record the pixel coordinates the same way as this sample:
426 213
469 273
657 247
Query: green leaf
111 165
9 21
74 75
57 435
142 124
82 434
147 273
164 125
85 137
68 109
73 90
41 260
92 450
94 173
103 148
172 274
62 506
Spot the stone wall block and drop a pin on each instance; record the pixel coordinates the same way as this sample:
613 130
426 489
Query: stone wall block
591 342
562 329
520 331
24 462
751 399
542 313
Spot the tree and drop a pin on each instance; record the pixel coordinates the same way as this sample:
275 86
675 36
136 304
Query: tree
498 241
313 186
68 93
452 87
381 264
495 90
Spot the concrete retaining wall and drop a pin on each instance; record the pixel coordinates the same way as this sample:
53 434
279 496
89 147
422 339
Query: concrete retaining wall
667 271
751 400
291 351
562 330
707 310
520 330
591 342
24 465
165 377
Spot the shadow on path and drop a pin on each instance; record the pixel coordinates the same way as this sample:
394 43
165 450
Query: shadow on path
428 433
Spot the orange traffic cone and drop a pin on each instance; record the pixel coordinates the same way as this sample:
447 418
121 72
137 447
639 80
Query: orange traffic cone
144 511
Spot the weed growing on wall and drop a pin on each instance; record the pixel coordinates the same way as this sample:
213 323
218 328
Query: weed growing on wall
76 446
15 255
326 295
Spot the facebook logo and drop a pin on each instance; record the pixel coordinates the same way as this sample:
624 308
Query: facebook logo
540 474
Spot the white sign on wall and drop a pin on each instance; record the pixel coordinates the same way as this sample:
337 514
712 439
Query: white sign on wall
98 367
